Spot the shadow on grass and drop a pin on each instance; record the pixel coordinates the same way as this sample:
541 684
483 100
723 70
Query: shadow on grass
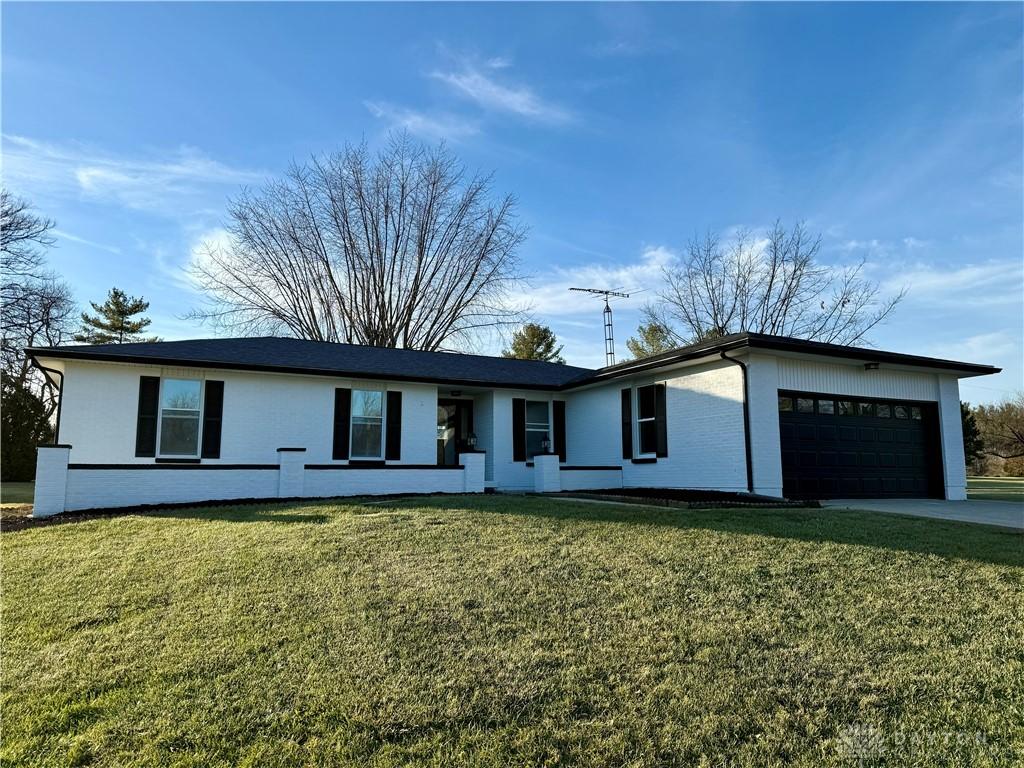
966 541
922 536
286 513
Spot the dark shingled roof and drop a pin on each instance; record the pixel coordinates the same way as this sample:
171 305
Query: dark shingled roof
289 355
325 358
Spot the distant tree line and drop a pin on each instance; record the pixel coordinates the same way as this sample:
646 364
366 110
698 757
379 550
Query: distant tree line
994 437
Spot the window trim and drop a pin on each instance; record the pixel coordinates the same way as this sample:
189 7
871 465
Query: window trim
548 430
159 454
379 456
640 453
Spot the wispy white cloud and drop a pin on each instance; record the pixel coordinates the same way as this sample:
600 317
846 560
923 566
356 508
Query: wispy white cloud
62 235
499 62
157 183
548 294
981 347
470 81
426 125
998 281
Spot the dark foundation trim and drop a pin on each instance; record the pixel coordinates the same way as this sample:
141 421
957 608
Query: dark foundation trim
383 466
227 467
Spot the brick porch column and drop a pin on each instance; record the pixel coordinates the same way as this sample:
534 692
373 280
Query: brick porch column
51 480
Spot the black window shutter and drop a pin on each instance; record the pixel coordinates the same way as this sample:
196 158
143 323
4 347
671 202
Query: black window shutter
145 427
559 442
627 423
518 429
393 439
342 409
213 412
660 422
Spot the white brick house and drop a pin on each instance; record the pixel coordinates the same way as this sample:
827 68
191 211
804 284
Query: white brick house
185 421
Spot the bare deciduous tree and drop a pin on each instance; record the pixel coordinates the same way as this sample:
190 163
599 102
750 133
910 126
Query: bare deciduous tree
24 236
37 307
401 249
42 316
1002 427
775 287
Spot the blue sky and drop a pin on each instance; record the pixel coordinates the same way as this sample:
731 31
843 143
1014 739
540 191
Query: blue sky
894 130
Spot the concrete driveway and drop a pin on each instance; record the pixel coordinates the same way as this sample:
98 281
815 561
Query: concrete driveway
1007 514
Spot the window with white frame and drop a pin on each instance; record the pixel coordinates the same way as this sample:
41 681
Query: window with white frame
180 417
367 424
646 420
538 425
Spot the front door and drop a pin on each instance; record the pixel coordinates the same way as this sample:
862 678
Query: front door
454 426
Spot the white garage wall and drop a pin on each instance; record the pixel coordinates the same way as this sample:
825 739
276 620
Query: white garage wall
839 379
770 373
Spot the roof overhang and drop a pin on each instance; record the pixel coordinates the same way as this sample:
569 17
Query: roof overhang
749 342
152 361
739 344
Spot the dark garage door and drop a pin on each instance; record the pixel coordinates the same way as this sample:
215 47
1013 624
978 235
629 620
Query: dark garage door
836 447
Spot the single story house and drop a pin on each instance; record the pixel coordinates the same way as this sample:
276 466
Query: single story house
189 421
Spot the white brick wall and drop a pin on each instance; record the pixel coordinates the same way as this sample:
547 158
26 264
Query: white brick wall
704 413
508 474
765 441
101 488
951 430
578 480
473 472
483 426
50 494
545 474
262 412
377 482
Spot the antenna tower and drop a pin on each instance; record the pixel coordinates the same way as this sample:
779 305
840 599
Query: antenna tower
609 336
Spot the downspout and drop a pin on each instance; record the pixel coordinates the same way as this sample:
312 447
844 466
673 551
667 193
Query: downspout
746 420
60 395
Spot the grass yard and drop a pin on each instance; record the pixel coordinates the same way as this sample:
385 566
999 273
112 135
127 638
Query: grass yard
996 488
16 493
495 631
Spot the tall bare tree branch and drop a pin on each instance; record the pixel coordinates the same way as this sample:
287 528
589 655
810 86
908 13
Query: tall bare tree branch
398 249
776 287
37 307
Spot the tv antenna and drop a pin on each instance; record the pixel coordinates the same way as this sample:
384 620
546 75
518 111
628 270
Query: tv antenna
609 337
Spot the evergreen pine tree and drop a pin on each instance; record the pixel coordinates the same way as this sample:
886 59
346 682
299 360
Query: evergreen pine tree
114 323
535 342
650 339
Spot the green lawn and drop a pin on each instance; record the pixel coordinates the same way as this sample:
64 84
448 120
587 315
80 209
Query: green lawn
16 493
996 488
496 631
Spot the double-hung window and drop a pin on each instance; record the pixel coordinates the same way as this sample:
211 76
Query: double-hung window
367 424
646 420
538 425
180 417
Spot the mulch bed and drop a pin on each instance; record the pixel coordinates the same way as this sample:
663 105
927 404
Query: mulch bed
687 498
